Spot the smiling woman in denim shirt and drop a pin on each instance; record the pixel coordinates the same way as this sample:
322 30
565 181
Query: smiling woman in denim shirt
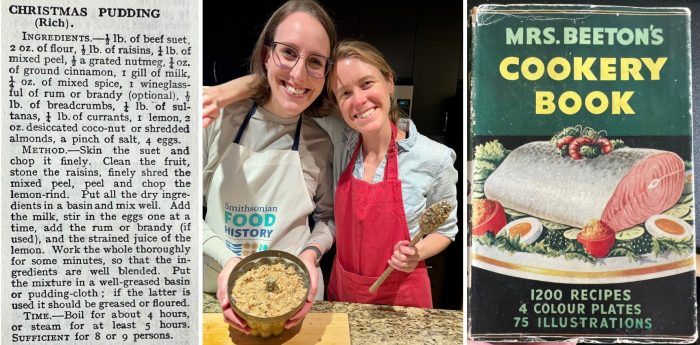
391 174
387 174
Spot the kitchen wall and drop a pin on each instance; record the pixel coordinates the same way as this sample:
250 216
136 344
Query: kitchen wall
422 40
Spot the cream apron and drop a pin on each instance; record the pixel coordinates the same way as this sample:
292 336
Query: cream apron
258 201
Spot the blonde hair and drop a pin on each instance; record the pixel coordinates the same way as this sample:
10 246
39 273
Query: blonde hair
368 54
260 85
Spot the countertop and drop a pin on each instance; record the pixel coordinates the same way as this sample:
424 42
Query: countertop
378 324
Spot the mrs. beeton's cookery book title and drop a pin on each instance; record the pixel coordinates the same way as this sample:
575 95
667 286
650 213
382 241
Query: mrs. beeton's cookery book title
582 217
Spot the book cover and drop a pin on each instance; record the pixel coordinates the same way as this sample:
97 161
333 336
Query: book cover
582 219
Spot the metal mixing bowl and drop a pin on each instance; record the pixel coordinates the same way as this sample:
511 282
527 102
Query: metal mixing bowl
267 326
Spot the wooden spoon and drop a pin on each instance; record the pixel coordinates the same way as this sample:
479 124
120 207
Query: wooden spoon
429 221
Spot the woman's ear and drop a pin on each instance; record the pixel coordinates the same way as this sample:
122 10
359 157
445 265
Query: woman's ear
391 84
265 55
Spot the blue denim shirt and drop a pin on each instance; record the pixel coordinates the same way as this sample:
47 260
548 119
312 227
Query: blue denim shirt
426 170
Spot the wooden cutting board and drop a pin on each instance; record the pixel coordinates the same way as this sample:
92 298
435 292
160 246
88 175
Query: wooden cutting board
317 328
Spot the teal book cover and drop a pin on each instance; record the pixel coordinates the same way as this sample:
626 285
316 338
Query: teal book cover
582 216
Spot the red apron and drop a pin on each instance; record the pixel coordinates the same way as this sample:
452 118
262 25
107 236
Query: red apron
369 220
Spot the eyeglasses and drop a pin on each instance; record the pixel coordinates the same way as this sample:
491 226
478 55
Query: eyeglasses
286 56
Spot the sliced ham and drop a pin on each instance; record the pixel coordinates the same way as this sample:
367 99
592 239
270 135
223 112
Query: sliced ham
622 188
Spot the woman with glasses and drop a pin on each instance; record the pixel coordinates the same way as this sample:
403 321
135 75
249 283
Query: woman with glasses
388 175
267 167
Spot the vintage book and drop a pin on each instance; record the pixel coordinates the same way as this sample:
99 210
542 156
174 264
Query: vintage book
582 222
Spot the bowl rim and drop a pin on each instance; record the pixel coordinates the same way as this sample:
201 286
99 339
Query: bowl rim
256 257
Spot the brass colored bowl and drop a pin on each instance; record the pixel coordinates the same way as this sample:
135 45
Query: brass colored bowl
267 326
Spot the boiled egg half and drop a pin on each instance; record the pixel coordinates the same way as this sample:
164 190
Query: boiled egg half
529 229
688 182
664 225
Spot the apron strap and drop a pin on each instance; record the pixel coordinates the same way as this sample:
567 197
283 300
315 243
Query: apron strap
391 170
297 135
239 134
351 163
237 140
